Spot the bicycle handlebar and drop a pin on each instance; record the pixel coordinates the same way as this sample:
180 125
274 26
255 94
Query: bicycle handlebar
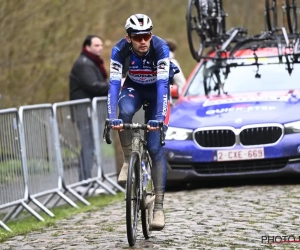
131 126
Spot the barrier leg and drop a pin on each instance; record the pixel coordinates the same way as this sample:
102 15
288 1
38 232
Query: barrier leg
4 226
40 205
30 210
113 183
107 188
11 212
66 198
79 197
48 199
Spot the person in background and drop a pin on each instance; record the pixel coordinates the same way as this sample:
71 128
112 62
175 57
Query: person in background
88 79
179 78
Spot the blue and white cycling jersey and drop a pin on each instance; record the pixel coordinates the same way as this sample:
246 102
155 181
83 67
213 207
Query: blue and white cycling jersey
141 72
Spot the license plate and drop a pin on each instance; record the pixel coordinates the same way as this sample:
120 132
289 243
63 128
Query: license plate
240 154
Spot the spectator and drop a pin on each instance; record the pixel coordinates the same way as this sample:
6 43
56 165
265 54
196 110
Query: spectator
88 79
179 78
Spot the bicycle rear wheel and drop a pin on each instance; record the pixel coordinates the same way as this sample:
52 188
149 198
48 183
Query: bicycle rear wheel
133 198
271 14
147 212
291 14
195 32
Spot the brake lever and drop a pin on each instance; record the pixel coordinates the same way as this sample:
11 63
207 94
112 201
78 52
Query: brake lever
106 132
162 133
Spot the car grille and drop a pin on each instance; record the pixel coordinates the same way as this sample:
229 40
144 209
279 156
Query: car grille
260 135
240 166
215 138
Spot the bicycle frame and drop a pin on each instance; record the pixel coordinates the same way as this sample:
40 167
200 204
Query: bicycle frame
139 146
136 182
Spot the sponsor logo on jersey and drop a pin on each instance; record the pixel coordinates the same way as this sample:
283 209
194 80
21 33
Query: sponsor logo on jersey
115 70
163 68
162 65
165 105
108 104
115 66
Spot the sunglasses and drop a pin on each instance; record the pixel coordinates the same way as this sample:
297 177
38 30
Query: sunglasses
138 38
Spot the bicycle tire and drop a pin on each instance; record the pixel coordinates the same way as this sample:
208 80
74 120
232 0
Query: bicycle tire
147 214
291 15
193 24
133 198
221 27
271 24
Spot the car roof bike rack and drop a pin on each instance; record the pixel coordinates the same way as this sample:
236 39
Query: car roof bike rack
224 45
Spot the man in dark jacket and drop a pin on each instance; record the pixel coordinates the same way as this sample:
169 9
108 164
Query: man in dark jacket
88 79
88 75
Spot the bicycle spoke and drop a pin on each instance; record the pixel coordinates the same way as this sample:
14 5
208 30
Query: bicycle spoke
205 25
291 15
194 29
271 14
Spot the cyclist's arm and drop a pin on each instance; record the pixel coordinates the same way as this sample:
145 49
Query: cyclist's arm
179 78
116 65
163 68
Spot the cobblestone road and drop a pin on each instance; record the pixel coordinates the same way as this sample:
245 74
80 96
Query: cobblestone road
206 218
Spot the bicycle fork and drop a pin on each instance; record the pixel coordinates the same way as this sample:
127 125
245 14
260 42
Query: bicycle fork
136 147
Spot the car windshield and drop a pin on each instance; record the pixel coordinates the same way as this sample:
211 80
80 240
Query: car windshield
234 76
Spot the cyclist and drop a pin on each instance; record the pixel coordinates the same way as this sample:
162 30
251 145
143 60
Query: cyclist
149 71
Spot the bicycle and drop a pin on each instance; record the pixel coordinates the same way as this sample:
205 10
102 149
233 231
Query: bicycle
271 15
139 186
207 19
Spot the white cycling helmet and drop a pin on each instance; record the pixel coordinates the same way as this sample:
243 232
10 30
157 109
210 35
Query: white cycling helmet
138 24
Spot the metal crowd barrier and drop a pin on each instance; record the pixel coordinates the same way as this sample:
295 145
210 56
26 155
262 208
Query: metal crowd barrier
44 175
75 126
106 155
50 150
13 170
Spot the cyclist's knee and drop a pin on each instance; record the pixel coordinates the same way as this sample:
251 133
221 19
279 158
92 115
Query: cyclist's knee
126 113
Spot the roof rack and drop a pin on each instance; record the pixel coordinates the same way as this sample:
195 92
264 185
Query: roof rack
225 44
235 41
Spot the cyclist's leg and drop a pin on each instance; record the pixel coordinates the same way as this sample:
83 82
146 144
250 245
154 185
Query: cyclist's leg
129 104
159 164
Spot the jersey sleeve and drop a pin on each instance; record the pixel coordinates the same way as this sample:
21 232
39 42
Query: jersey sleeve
116 66
163 68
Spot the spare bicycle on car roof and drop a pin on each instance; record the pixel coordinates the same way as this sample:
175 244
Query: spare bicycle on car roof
206 29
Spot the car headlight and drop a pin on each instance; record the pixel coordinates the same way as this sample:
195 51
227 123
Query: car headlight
178 134
292 127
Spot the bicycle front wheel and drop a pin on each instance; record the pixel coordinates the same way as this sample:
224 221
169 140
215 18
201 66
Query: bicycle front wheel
148 196
133 198
291 14
195 31
271 14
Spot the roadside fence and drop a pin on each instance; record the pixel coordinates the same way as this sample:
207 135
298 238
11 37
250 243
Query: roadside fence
49 151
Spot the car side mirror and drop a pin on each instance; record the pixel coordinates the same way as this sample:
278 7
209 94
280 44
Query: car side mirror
174 91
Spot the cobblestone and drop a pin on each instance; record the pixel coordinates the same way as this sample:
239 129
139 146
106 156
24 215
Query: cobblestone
216 218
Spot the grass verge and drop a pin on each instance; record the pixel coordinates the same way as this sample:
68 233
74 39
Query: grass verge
27 225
